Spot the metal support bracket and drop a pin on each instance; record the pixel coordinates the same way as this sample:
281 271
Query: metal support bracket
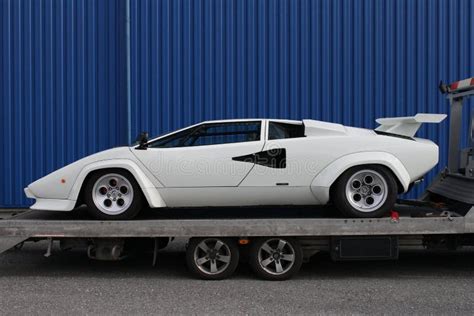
50 248
455 124
7 243
155 251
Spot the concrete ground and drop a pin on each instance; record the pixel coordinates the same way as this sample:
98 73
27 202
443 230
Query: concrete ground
70 283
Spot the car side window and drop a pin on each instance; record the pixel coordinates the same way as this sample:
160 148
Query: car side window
212 134
225 133
277 130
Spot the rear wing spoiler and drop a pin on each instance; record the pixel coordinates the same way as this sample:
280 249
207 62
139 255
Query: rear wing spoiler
408 125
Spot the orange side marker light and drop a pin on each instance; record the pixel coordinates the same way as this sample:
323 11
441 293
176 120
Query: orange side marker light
243 241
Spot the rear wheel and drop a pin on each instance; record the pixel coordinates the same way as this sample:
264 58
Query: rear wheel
276 258
365 191
113 194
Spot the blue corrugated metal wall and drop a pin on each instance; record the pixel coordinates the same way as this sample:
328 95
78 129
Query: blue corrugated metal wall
63 69
61 91
347 61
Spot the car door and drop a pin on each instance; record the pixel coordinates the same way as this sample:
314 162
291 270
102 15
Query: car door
286 168
202 156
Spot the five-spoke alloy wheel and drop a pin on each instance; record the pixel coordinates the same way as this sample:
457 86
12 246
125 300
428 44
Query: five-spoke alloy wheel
365 191
113 194
276 258
212 258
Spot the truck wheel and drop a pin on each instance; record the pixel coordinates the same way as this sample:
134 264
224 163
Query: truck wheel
212 258
276 258
113 194
365 191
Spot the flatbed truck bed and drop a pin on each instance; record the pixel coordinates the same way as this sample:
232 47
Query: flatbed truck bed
344 238
40 224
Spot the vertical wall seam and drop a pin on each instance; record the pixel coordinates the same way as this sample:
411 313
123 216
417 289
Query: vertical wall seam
128 71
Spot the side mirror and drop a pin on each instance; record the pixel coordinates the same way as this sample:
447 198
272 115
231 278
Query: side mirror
142 139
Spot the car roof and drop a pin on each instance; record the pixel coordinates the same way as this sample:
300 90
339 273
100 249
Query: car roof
252 119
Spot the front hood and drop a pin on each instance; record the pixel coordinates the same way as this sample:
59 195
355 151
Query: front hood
58 184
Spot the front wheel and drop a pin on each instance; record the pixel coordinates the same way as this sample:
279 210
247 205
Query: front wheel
212 258
365 191
113 194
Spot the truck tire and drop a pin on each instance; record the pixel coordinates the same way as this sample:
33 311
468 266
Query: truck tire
212 258
365 191
276 258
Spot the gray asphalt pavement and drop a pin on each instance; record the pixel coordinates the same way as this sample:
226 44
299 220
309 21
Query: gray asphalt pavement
70 283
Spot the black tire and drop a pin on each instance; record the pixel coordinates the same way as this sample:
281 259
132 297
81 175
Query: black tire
135 206
341 199
203 271
257 257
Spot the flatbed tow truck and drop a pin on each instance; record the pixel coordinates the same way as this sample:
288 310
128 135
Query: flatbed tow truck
275 242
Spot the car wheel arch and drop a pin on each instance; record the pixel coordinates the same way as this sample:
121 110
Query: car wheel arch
326 178
80 196
148 189
400 187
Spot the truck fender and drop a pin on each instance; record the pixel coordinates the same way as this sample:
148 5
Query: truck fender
152 195
323 180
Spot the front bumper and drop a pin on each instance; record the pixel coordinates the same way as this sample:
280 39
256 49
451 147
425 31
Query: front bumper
29 194
50 204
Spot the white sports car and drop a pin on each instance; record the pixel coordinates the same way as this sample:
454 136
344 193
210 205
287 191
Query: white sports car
247 163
